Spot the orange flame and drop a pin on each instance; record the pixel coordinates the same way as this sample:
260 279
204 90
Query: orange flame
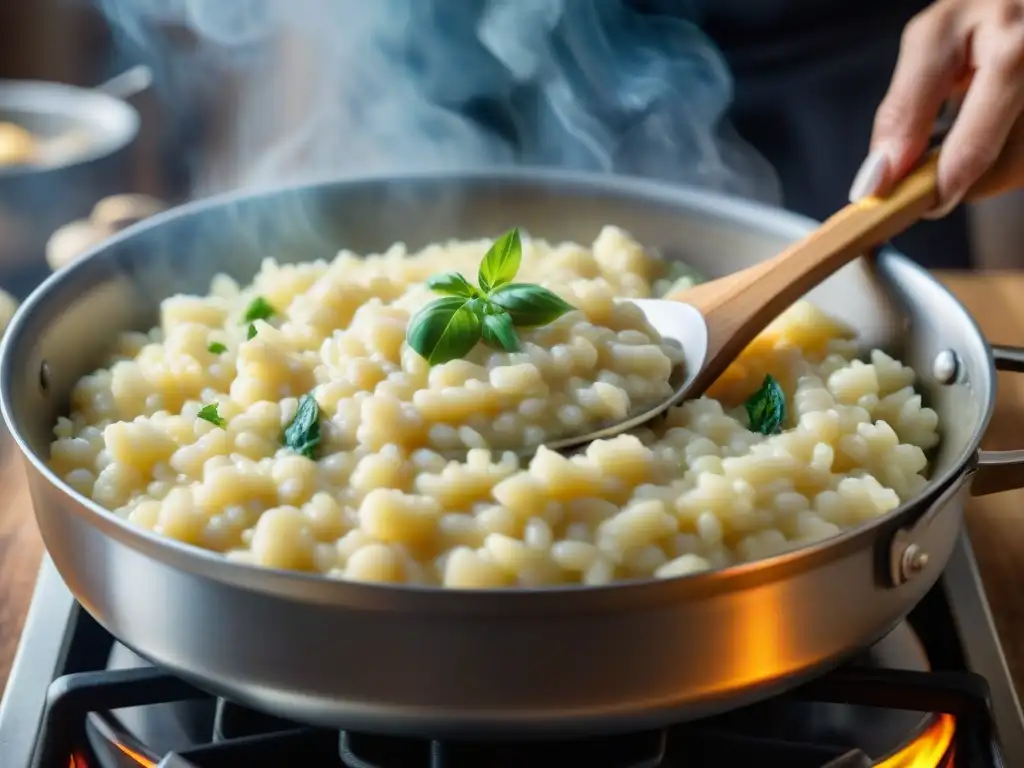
929 749
79 761
142 760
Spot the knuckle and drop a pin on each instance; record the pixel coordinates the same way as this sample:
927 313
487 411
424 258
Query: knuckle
1010 13
928 28
890 119
1010 59
1008 55
914 30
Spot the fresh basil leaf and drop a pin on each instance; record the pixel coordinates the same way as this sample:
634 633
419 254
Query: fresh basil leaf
530 305
498 331
501 262
209 413
258 309
453 284
216 348
251 334
444 330
303 434
766 408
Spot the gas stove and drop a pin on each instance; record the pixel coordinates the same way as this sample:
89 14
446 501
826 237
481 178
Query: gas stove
934 693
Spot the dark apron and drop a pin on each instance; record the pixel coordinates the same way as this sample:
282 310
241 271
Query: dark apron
809 75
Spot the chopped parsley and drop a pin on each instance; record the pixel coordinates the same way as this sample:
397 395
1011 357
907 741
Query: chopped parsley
209 413
258 309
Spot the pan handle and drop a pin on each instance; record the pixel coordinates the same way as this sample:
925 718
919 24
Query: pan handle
990 472
997 471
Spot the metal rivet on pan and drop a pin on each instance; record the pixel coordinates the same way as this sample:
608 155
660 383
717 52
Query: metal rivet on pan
44 376
945 367
914 561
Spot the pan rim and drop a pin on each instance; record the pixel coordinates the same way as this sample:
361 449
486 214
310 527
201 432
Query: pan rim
318 588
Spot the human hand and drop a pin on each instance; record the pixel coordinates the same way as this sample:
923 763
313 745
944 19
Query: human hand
969 50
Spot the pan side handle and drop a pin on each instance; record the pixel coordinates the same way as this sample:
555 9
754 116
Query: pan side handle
998 471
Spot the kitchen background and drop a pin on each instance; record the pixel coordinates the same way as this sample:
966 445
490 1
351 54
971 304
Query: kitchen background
238 101
226 110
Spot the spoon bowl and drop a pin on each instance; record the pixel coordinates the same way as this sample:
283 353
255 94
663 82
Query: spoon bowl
676 323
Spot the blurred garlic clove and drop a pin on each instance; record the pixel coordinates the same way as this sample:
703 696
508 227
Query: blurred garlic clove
119 211
72 240
8 306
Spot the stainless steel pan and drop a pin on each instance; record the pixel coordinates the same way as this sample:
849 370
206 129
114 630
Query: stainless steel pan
451 663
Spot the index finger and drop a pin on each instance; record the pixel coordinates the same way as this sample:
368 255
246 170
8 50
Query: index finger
931 61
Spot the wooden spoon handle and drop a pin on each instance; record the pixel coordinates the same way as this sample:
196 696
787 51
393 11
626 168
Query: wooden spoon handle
739 306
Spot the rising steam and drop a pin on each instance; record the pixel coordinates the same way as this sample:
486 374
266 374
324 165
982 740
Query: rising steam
348 87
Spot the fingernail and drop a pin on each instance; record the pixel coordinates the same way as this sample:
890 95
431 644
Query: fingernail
871 175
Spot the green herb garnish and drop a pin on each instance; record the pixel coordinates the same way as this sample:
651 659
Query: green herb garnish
251 334
529 305
766 408
501 262
258 309
498 329
453 284
216 348
209 413
303 434
444 330
448 328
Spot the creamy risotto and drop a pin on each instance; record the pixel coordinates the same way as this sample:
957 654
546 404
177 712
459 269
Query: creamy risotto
289 424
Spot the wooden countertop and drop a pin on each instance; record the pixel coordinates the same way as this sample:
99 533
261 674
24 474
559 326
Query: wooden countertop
995 523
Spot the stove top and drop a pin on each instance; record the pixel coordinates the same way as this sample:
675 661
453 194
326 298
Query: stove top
935 693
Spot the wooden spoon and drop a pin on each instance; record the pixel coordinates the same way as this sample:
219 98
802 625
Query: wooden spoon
739 306
715 321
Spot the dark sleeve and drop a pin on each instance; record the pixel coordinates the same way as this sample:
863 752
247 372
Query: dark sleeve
809 75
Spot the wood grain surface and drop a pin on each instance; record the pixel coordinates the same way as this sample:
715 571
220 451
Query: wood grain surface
20 550
995 523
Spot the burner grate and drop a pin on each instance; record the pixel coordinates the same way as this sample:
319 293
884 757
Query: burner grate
72 697
297 746
636 750
242 736
46 726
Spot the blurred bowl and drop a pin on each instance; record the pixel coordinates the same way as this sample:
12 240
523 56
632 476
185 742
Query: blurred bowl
82 140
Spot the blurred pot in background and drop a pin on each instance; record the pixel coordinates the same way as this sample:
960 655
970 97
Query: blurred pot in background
71 42
63 148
